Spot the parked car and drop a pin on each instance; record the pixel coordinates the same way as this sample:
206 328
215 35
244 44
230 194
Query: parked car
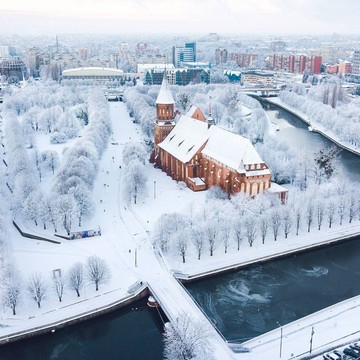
355 346
331 356
351 352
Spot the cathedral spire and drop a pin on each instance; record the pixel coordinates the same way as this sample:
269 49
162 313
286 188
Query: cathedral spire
165 96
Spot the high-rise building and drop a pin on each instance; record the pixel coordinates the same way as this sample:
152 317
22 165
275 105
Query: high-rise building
345 67
221 55
314 64
356 62
297 63
186 53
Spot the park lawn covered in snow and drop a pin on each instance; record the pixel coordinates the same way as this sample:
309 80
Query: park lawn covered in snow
125 231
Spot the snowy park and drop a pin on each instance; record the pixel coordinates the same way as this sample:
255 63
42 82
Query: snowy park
92 173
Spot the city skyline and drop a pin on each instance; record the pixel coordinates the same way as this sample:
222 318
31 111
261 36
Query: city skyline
180 17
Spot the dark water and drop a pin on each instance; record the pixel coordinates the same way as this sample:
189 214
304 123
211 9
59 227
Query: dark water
124 335
295 133
250 302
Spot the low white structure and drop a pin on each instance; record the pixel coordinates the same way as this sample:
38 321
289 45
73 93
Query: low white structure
93 73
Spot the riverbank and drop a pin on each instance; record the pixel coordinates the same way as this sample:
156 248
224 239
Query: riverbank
211 266
315 127
67 315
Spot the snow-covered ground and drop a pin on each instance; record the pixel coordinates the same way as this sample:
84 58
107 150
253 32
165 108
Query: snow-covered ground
125 245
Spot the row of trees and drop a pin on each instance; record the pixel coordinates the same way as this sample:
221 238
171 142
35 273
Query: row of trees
228 107
134 173
343 121
96 271
228 224
71 195
75 179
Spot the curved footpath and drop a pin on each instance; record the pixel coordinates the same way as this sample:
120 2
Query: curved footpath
315 127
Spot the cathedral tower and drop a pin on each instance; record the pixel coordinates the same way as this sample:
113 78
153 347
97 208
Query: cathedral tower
164 113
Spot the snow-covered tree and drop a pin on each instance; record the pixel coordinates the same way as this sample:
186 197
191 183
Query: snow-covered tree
134 182
50 160
97 271
330 212
11 288
186 339
250 226
198 239
275 222
134 151
75 277
237 231
264 226
37 288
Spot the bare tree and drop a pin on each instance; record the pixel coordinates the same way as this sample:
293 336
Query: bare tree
58 283
352 207
225 234
211 233
37 288
264 225
76 277
331 211
250 228
320 211
298 216
237 229
309 214
11 289
341 209
97 271
181 242
198 240
186 340
287 221
275 222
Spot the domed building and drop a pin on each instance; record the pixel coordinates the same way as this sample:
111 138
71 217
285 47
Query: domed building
14 67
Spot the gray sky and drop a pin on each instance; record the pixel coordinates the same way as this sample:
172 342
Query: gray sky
180 16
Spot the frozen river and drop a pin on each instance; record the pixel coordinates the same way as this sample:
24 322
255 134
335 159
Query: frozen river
295 132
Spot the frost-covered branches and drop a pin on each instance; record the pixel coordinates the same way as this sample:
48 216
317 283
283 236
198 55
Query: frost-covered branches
320 108
250 221
187 340
37 288
97 271
11 286
76 277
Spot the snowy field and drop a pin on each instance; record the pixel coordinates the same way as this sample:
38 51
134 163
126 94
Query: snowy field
125 245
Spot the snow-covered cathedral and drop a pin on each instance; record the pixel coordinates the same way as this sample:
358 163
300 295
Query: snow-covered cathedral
203 155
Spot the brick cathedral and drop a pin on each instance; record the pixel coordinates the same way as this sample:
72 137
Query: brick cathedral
196 151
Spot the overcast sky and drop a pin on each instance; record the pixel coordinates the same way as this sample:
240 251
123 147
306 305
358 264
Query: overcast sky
180 16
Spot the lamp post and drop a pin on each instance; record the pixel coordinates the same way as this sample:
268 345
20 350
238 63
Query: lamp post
311 338
281 337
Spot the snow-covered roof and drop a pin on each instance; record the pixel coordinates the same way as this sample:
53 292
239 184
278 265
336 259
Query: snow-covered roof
231 149
195 113
186 138
92 71
165 96
276 188
191 111
141 68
